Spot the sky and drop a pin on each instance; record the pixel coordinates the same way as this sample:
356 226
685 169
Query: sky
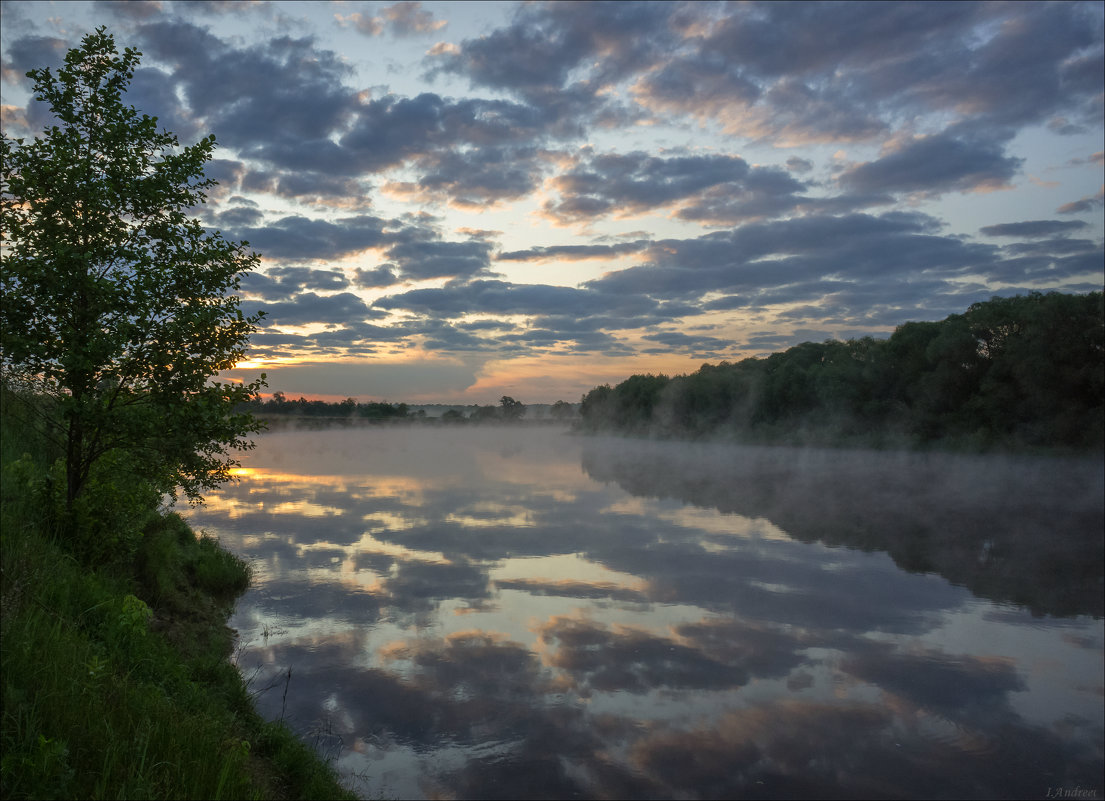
458 201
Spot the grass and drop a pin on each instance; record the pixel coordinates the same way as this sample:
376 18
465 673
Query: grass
115 679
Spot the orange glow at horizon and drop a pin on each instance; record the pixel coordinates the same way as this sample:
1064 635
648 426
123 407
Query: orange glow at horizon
538 379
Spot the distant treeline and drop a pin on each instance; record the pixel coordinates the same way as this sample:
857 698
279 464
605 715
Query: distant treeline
278 404
1025 371
508 409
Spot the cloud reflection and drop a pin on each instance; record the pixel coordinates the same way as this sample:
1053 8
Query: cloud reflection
709 655
628 645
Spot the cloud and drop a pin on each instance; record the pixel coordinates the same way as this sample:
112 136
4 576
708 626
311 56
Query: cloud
286 104
698 186
799 164
391 130
402 19
758 257
355 338
259 285
420 258
1002 65
1049 249
32 52
590 114
409 19
811 39
935 164
15 121
268 101
573 252
796 112
362 23
500 297
434 378
536 54
1063 127
131 9
564 339
796 74
1034 229
309 307
240 217
765 193
298 238
228 174
474 178
701 345
310 186
1088 203
383 275
307 278
802 75
705 87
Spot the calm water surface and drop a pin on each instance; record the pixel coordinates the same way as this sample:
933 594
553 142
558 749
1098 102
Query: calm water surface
519 613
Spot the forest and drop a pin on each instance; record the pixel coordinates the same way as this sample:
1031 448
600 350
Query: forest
1022 372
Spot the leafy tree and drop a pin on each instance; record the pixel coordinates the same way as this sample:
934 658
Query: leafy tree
562 410
596 408
1043 356
511 409
635 399
484 414
117 304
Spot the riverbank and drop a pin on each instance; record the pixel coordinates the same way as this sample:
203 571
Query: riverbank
117 678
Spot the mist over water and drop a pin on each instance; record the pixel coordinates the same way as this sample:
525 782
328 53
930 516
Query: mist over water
519 613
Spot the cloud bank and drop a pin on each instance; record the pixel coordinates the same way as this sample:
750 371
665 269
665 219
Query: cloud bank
645 183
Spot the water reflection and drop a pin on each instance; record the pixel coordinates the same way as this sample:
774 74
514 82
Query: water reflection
522 614
1011 529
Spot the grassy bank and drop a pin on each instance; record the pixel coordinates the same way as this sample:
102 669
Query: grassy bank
115 673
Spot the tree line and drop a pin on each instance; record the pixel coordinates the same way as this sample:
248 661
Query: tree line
1022 371
507 410
279 404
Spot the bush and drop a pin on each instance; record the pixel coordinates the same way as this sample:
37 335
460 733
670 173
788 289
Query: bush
104 523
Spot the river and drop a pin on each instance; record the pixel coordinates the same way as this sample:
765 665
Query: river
482 612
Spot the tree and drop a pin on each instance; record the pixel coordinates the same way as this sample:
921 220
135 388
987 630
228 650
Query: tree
596 408
562 410
636 397
483 414
511 409
117 304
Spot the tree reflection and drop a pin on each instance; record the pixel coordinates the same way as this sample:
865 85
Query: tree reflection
1019 530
